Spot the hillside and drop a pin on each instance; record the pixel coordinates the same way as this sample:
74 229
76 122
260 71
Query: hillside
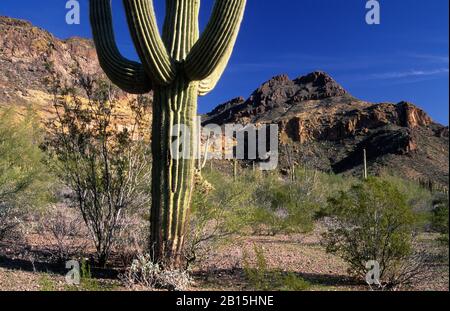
26 54
322 125
325 127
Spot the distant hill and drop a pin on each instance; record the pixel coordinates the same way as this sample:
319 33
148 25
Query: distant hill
325 127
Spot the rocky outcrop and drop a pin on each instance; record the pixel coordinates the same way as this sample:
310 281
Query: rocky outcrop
411 116
26 55
27 52
329 129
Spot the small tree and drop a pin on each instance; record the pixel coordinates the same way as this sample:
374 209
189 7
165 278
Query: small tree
440 217
373 222
23 177
106 165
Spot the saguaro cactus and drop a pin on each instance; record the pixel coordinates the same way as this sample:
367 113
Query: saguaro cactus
178 66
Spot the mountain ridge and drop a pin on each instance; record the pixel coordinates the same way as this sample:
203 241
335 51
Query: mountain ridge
327 128
321 124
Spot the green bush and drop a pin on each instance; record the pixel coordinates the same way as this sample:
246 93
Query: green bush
261 203
419 198
24 180
220 208
440 217
281 207
374 222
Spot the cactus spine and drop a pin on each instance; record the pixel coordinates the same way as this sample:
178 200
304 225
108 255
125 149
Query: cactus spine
178 66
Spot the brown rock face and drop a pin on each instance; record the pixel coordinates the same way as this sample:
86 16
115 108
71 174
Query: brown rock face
411 116
329 128
27 52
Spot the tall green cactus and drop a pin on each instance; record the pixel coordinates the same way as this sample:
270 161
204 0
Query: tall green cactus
178 66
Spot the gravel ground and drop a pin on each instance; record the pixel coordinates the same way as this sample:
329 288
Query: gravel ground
23 266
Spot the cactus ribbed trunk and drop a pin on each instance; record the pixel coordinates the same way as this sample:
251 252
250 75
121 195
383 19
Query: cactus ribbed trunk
174 105
179 66
172 178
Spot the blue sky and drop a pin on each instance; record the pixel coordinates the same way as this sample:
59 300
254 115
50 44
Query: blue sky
403 58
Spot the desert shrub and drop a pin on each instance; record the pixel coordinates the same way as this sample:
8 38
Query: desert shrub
281 207
145 272
220 208
419 198
67 230
88 283
440 217
253 202
132 237
374 222
260 277
107 166
24 178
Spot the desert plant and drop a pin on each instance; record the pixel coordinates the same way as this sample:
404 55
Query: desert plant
179 66
281 207
145 272
440 217
88 283
66 228
418 197
220 208
374 223
23 176
106 167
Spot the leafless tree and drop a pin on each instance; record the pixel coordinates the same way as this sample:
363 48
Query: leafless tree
105 163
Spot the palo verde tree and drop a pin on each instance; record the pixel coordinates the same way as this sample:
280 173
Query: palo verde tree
178 66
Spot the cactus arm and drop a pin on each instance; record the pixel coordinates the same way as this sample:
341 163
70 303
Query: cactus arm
209 56
208 84
128 75
147 39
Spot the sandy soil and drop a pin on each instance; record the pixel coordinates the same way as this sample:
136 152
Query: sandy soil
25 266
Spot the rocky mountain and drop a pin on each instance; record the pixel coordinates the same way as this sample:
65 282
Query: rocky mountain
26 52
323 126
26 55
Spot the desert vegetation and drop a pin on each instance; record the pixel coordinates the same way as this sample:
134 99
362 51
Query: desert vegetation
81 192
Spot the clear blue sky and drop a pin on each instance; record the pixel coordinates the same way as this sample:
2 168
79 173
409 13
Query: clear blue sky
404 58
